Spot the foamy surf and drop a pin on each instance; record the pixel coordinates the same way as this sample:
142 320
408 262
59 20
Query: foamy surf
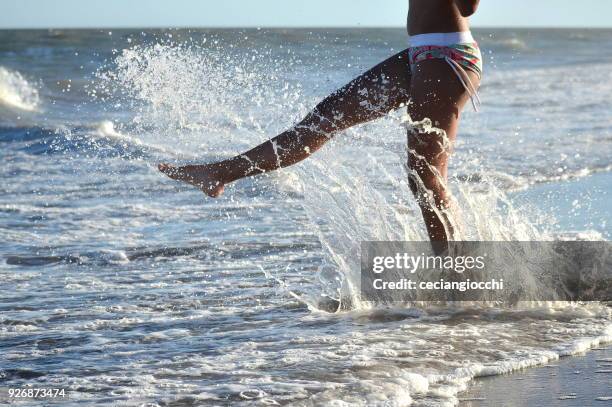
16 92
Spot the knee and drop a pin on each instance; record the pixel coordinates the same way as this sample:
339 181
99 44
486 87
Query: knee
319 125
328 117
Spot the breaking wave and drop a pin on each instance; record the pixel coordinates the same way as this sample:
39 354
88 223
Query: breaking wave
16 92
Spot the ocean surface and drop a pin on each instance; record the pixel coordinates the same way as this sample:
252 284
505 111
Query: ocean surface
127 288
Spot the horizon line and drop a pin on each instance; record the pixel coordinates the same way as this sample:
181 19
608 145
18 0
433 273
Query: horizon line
228 27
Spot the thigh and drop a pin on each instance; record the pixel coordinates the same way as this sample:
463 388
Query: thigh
373 94
437 95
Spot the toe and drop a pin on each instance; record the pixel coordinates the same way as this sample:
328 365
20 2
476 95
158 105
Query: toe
170 170
216 191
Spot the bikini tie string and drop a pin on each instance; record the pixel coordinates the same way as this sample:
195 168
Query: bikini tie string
466 82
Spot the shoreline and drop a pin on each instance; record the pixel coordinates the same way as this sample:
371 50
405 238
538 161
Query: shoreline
572 381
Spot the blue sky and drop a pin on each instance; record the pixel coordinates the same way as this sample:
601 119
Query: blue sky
285 13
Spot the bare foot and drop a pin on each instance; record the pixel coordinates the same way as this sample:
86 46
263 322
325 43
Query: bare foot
200 176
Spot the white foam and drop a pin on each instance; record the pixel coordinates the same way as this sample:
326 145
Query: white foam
581 345
114 256
107 129
17 92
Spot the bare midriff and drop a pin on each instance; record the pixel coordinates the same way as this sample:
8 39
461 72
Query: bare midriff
435 16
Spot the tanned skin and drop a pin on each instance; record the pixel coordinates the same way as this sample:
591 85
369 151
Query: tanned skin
440 16
432 90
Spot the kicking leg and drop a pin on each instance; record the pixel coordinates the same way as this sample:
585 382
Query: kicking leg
438 95
370 96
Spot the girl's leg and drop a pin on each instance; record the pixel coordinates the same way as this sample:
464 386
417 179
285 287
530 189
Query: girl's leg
437 94
370 96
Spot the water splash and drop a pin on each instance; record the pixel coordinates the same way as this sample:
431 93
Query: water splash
198 95
204 98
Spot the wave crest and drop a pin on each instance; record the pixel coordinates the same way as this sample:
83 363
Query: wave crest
16 92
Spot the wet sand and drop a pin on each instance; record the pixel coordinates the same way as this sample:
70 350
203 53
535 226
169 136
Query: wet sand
573 381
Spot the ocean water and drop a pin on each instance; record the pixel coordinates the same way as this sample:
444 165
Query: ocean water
127 288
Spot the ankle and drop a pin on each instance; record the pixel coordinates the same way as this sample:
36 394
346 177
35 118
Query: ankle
228 171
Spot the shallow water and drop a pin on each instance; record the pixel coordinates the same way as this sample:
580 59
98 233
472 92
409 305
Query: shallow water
123 286
570 382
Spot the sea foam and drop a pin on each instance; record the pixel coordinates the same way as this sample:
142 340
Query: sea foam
16 92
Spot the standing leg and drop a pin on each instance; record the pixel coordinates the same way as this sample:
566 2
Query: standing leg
370 96
437 95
